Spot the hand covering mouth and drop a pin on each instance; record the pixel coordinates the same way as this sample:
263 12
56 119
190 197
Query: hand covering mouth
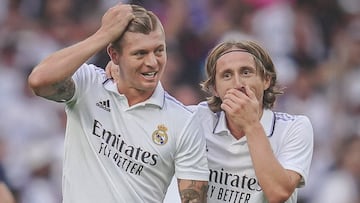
242 89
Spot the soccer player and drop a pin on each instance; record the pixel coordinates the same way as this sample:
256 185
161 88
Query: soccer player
124 140
254 154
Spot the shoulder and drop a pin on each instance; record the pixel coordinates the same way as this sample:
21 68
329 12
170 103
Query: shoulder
176 105
291 118
204 113
176 112
91 72
296 125
89 80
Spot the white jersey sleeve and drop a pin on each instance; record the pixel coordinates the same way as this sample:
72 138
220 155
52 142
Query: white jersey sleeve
84 78
296 149
190 160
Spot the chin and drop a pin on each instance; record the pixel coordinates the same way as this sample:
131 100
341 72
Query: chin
149 86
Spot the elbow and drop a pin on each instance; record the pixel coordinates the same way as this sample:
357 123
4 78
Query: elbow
37 82
278 199
34 82
278 196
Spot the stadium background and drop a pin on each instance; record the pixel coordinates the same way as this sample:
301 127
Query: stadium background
315 45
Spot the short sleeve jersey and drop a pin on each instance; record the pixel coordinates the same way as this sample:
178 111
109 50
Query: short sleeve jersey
116 153
232 177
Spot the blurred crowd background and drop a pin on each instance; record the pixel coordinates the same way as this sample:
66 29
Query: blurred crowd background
315 45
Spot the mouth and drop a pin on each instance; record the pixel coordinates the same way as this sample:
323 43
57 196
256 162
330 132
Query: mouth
149 75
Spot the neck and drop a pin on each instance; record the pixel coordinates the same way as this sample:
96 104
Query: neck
135 96
235 131
234 128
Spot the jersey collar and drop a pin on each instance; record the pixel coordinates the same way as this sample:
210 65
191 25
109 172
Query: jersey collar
267 121
157 98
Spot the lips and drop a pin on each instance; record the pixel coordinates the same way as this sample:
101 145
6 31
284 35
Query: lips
149 74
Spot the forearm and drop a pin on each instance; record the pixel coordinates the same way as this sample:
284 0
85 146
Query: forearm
192 191
62 64
52 77
275 181
5 194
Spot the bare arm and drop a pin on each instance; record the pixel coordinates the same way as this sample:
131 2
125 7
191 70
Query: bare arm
192 191
277 183
52 77
5 195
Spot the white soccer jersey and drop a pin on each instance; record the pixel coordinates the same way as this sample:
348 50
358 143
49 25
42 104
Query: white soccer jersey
116 153
232 177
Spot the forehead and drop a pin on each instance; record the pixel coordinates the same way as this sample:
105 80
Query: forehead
134 40
235 59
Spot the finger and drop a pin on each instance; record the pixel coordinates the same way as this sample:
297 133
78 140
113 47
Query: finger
115 21
108 70
233 102
229 99
225 107
235 95
228 102
243 90
114 71
230 107
123 13
250 93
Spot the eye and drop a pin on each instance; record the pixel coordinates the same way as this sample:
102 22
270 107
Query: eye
248 72
227 75
159 51
140 53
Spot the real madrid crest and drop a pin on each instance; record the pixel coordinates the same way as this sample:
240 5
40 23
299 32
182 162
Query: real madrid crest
159 136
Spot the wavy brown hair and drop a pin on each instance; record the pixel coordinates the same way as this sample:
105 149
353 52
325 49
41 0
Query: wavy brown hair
263 64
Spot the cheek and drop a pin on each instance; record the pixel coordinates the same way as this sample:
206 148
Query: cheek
259 94
257 86
126 69
164 59
162 62
259 91
221 88
130 64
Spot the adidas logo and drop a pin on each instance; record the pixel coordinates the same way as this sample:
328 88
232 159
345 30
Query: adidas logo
104 105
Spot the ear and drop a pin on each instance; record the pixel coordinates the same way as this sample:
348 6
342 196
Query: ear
267 82
113 54
213 91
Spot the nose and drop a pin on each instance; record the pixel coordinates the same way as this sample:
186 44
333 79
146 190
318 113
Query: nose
239 81
150 59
